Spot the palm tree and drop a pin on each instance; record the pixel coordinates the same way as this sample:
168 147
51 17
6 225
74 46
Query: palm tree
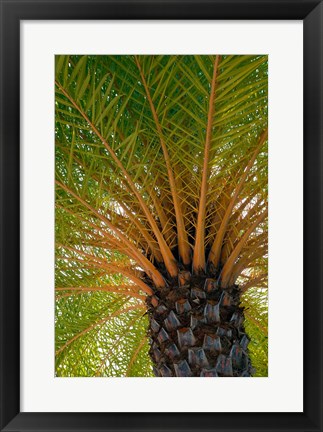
161 215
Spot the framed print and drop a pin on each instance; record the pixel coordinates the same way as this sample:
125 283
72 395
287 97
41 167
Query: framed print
161 206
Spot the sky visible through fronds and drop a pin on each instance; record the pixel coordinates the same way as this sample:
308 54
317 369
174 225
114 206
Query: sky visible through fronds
146 172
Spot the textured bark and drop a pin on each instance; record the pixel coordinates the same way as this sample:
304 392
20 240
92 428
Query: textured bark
196 329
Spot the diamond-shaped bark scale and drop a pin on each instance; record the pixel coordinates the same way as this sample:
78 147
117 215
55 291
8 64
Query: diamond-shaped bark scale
172 322
172 351
162 336
212 312
224 365
208 373
237 319
185 337
154 325
197 321
224 332
212 343
161 309
157 354
197 357
182 306
182 369
244 342
238 357
165 371
197 293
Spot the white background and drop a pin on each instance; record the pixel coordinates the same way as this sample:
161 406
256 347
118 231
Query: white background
282 390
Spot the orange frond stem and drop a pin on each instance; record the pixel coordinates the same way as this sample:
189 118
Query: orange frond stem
169 259
147 265
215 253
183 245
253 282
98 323
246 262
199 248
227 269
93 261
237 227
133 290
135 355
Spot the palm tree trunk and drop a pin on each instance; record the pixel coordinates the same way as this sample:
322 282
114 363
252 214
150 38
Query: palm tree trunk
196 330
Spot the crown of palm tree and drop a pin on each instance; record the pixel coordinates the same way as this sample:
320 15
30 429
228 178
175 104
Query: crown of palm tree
161 168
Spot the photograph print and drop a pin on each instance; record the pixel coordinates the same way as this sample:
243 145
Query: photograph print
161 216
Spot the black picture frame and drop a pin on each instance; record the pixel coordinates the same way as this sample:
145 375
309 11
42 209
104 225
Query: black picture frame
12 12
